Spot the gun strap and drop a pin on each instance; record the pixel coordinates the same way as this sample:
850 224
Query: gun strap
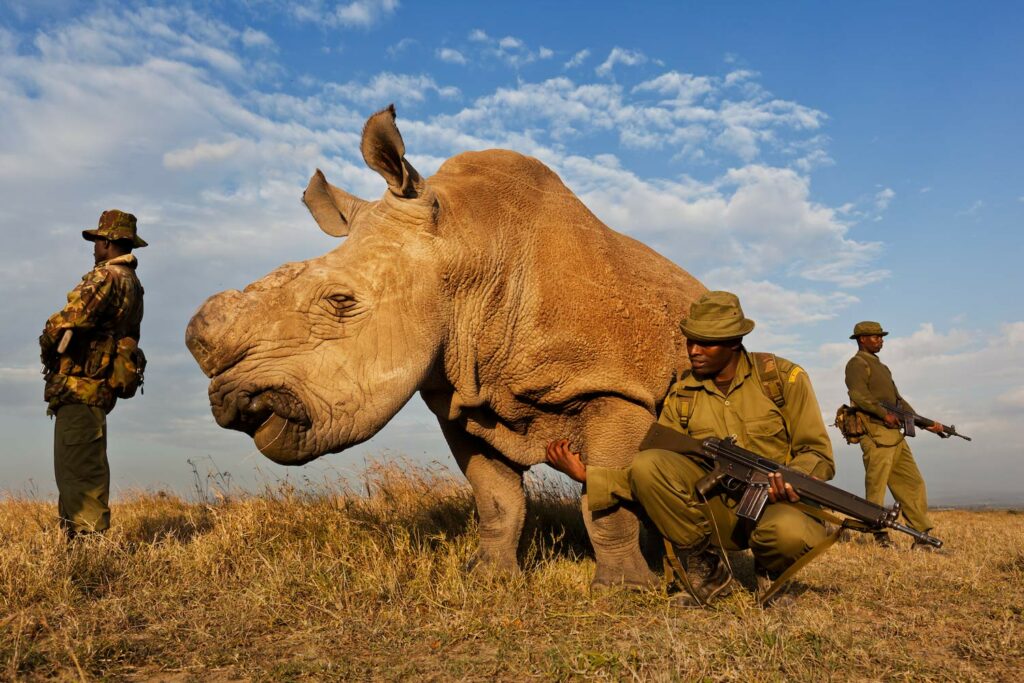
814 552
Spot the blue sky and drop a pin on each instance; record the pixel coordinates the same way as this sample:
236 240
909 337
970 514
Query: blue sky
830 162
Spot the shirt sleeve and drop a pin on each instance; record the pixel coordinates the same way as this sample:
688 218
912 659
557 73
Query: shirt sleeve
857 386
606 486
672 412
809 442
86 303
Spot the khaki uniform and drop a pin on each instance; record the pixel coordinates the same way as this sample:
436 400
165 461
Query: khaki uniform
105 307
664 482
888 461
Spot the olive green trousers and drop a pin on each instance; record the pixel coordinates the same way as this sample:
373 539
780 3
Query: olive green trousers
81 468
894 467
664 483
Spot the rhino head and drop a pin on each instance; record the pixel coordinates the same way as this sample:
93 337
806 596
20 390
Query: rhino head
318 355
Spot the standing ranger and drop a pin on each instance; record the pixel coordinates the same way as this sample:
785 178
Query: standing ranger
91 358
767 404
888 461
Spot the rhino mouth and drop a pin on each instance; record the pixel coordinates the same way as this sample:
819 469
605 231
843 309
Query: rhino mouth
258 410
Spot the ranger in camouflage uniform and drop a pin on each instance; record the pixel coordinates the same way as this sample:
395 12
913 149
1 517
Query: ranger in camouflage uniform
723 394
78 347
888 461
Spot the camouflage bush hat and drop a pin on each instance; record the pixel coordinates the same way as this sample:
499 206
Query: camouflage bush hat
115 225
867 328
715 317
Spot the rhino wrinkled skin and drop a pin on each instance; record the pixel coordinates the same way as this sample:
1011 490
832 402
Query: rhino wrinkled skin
491 290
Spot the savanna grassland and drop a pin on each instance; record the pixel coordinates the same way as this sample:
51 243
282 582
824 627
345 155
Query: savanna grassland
370 581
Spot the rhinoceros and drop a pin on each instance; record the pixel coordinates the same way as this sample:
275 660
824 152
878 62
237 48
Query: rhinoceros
491 290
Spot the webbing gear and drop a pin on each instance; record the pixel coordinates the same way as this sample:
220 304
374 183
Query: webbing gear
766 370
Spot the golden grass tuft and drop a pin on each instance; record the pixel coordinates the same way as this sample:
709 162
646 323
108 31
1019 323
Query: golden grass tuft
370 581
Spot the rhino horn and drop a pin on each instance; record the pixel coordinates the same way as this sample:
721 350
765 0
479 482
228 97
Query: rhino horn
332 208
384 151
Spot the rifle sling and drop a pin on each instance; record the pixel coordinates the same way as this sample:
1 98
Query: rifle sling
820 548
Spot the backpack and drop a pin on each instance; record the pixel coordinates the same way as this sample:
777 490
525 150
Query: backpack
128 372
766 370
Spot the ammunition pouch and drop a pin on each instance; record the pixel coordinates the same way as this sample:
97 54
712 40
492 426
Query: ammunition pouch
850 423
129 367
99 358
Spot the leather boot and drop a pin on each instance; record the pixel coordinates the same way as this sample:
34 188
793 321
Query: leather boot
708 573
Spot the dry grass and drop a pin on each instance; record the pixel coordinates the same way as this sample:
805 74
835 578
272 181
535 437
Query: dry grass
371 584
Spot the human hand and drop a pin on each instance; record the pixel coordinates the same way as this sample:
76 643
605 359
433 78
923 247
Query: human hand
937 428
563 459
779 490
891 420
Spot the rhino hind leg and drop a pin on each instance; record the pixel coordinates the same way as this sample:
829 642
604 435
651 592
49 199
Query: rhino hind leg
500 499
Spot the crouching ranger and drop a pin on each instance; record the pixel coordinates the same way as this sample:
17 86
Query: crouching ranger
91 358
767 405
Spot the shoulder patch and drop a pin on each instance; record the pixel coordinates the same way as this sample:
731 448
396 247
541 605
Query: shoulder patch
794 373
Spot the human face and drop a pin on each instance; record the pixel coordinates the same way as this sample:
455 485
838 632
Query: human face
709 359
872 343
100 250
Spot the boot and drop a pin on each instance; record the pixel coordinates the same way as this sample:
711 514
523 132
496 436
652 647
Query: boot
708 573
883 540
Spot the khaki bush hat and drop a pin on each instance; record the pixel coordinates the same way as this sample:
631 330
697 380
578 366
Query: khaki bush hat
115 225
867 328
716 316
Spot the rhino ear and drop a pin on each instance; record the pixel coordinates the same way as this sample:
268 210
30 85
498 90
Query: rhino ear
384 151
332 208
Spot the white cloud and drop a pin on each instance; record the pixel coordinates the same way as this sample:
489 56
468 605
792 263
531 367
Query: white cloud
510 43
401 46
545 53
478 36
8 42
387 87
447 54
253 38
364 13
619 55
577 59
883 198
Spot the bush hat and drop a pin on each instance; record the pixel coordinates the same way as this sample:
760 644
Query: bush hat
714 317
867 328
115 225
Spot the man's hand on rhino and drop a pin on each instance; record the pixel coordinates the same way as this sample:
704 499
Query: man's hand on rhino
562 458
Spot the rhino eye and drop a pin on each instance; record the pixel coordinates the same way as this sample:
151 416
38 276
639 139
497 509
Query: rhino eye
341 305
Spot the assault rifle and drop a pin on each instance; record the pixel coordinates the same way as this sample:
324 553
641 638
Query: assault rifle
911 419
738 469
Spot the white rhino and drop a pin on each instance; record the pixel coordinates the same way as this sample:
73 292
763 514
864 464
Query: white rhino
491 290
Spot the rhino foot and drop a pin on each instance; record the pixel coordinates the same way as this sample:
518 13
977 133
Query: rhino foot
490 561
628 571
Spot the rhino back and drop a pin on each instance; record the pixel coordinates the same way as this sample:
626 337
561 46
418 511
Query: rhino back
559 306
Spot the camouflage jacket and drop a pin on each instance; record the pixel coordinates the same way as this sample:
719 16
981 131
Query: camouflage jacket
104 307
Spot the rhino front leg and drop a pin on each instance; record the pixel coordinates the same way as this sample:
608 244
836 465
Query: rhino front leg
500 497
613 431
